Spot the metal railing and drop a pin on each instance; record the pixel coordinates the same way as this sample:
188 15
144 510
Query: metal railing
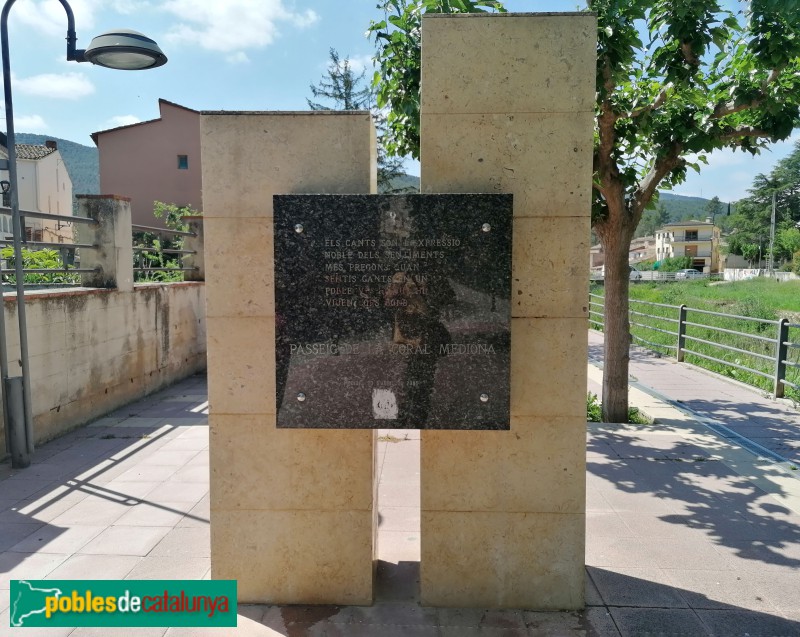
63 248
148 269
70 254
760 352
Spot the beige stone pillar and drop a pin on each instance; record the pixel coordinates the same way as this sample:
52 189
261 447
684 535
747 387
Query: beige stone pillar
195 243
292 510
113 236
507 107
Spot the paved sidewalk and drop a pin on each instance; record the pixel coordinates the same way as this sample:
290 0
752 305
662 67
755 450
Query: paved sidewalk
687 533
742 410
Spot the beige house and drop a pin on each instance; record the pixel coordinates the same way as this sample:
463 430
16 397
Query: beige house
696 239
44 186
156 160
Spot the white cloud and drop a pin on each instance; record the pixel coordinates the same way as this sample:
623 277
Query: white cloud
240 57
122 120
48 16
231 26
30 124
361 63
65 86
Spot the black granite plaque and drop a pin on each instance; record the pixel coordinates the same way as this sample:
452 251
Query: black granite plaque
393 311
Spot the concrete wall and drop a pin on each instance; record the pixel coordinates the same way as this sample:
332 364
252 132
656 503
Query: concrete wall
141 162
508 106
92 351
292 510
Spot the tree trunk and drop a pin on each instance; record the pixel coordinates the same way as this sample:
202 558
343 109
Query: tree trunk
617 338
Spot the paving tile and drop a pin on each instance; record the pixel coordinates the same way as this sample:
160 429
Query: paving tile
54 539
607 523
94 567
399 546
399 519
392 614
184 542
688 553
12 532
550 624
199 514
178 492
732 623
619 552
708 589
162 567
399 495
147 473
175 459
125 540
672 622
151 514
192 474
645 587
92 511
396 582
781 590
18 488
26 566
47 505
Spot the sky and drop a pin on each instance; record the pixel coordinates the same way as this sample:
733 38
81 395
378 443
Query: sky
232 55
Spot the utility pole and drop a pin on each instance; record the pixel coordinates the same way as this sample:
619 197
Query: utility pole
771 255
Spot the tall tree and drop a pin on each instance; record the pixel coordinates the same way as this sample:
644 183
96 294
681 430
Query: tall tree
754 212
702 79
347 90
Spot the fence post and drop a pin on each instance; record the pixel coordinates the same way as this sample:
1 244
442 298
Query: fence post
681 332
113 257
781 354
195 243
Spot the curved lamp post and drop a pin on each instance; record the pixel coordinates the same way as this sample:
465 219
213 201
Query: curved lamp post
119 49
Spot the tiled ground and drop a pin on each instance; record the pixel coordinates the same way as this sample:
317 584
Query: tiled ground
680 540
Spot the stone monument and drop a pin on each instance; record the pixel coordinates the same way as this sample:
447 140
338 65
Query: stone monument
463 314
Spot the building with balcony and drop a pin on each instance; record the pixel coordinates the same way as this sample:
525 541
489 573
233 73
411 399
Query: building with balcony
696 239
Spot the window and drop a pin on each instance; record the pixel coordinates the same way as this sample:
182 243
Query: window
183 162
691 235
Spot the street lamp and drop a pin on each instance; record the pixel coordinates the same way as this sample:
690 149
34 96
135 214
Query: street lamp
119 49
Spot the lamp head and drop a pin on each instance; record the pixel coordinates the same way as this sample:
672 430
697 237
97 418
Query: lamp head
125 50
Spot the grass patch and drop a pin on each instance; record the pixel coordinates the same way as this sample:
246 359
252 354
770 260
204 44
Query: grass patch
594 412
656 326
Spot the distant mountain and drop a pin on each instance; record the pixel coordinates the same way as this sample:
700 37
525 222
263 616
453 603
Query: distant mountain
405 183
681 208
82 162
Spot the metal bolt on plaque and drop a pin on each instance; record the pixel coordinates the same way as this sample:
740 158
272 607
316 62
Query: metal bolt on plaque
486 227
484 398
301 397
298 228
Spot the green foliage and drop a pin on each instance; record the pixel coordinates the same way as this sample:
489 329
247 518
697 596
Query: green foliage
153 256
761 298
675 80
673 264
593 410
754 213
397 40
45 259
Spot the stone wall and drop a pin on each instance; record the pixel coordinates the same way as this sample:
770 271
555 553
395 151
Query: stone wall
93 350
